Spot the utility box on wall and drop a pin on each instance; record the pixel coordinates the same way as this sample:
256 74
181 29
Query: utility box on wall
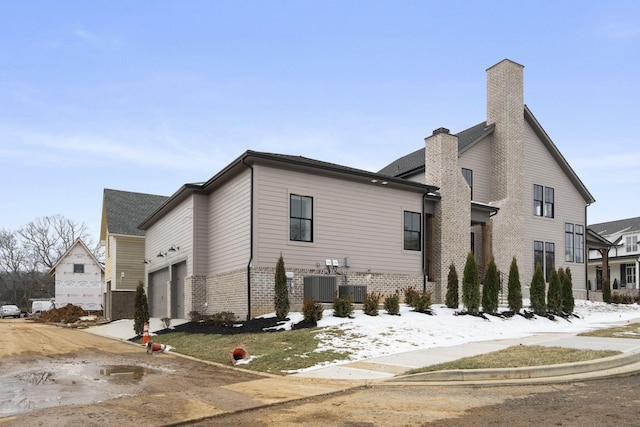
320 287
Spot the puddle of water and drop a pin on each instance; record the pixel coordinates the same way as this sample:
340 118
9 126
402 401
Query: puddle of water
76 383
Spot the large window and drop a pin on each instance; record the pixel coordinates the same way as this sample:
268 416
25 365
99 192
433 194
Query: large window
579 243
412 229
549 259
632 243
468 176
538 199
543 201
631 274
301 218
544 253
548 202
538 254
568 243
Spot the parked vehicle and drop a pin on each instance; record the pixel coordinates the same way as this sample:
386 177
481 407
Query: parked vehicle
38 306
9 311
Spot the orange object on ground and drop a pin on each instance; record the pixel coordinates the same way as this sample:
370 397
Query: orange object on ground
145 335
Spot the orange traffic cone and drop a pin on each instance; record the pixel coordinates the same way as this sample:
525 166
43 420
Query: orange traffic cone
145 335
153 347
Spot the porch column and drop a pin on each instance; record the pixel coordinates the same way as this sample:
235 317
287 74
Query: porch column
605 266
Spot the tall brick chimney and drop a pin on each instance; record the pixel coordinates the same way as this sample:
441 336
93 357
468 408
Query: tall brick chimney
505 108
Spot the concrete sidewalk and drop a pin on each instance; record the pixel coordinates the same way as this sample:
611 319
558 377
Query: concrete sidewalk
394 366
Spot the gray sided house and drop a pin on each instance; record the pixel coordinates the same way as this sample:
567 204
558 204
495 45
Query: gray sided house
500 188
124 245
509 162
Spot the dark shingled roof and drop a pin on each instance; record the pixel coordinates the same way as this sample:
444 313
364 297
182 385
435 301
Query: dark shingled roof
125 210
415 161
621 225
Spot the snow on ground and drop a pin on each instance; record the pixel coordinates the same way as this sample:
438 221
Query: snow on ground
364 337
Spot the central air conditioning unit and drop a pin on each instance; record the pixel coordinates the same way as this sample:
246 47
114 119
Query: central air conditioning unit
356 292
320 287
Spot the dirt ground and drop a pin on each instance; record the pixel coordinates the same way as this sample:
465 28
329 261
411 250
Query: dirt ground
75 378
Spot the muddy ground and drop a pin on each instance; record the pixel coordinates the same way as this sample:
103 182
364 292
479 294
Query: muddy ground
51 376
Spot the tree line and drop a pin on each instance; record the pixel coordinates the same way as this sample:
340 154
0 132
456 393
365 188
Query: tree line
28 254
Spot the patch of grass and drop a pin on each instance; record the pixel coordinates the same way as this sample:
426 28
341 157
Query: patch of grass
628 331
520 356
275 352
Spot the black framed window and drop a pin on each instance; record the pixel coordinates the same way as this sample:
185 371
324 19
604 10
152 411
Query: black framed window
549 209
78 268
301 218
569 239
538 254
412 231
549 259
579 243
473 243
468 176
537 199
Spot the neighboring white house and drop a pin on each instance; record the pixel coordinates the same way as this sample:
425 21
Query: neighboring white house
78 277
623 257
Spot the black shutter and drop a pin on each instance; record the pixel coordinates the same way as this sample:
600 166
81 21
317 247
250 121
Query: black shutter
623 274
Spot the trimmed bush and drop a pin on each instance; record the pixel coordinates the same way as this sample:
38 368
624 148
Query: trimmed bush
392 304
224 318
568 303
491 288
281 293
618 298
554 293
311 310
410 296
343 306
370 303
422 303
141 309
538 303
471 286
452 298
514 287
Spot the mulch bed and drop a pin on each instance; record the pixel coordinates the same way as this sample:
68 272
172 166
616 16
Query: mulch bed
258 325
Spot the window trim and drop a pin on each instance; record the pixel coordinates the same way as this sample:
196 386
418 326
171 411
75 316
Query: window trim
631 244
301 218
579 243
411 230
569 242
544 201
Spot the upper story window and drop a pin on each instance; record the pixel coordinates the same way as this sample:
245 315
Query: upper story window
543 201
412 231
632 243
468 176
301 218
78 268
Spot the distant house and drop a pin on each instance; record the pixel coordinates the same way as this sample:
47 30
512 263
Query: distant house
122 211
500 188
78 278
622 257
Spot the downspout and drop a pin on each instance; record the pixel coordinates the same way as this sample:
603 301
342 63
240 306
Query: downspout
424 242
250 244
585 255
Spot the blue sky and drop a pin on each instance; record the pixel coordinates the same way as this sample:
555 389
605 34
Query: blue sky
147 96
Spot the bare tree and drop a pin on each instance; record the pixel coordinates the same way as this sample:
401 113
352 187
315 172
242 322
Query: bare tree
27 255
48 238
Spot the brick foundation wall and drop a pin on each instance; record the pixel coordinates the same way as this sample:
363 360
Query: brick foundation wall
122 305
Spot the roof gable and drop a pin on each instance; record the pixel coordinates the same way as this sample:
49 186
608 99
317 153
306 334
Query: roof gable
615 227
122 211
80 243
414 162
